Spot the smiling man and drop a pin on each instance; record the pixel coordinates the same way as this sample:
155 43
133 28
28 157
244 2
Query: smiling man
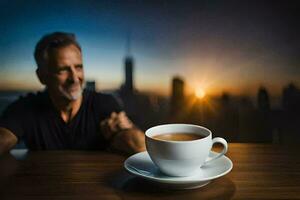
64 115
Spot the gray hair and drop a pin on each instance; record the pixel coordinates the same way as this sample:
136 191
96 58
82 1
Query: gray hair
50 42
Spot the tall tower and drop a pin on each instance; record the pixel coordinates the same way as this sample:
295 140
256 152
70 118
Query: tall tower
90 85
177 96
128 74
263 100
128 86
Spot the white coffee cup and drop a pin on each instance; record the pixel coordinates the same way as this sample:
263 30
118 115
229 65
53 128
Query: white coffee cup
181 158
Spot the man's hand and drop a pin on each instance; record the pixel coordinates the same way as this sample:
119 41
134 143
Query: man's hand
115 123
7 140
122 134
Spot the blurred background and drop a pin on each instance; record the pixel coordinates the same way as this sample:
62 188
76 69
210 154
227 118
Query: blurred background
232 66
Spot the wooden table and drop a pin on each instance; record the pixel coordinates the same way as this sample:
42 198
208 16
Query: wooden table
260 171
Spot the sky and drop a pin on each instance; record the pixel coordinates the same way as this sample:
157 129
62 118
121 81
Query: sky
232 46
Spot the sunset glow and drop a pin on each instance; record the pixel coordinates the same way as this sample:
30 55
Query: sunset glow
200 93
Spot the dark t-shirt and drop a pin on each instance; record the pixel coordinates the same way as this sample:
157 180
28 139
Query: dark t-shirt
35 120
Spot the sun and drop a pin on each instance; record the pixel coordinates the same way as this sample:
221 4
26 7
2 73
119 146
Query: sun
200 93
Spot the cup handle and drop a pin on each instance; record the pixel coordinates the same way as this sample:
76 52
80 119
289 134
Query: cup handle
225 145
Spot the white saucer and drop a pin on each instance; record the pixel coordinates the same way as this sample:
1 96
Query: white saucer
141 165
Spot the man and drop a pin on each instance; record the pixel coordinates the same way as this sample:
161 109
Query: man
64 116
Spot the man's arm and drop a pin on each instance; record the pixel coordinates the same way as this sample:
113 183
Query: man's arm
124 137
7 140
129 141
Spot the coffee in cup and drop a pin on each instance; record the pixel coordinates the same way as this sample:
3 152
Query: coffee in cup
181 149
178 136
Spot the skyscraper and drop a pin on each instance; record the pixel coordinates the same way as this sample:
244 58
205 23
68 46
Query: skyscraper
128 85
90 85
263 100
177 98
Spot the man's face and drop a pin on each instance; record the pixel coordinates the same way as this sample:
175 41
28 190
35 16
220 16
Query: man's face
65 73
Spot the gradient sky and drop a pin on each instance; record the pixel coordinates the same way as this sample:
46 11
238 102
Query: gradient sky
217 45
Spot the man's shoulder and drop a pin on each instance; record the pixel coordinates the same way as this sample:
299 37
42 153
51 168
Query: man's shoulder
32 97
24 104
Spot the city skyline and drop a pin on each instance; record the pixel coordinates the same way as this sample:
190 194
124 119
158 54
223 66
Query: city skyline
213 46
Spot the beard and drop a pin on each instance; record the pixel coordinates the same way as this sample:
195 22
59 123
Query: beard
71 92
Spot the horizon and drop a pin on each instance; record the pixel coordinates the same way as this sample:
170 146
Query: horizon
275 100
